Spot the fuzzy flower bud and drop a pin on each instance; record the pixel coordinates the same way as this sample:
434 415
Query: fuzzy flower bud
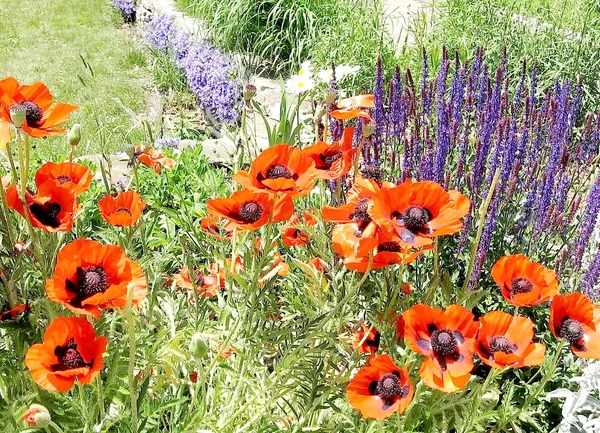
74 135
130 151
249 92
37 415
198 346
18 113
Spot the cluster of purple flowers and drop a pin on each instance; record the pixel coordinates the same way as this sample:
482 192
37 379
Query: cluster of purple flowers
470 122
169 142
127 9
208 71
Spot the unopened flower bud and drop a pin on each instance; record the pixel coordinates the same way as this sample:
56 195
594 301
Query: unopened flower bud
368 128
37 415
130 151
330 95
18 113
249 92
74 135
198 346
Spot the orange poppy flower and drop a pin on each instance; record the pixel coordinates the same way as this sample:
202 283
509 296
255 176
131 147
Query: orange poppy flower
380 389
249 210
524 283
419 211
210 225
294 237
333 161
505 341
207 285
366 340
153 159
124 210
70 351
406 288
351 108
318 264
576 319
90 277
227 351
447 338
14 312
70 175
309 218
51 209
41 119
282 168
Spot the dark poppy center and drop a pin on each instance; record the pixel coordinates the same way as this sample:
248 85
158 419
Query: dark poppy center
415 218
501 344
69 357
46 213
521 285
251 211
33 113
372 171
389 389
391 247
329 157
443 342
571 331
123 210
63 178
360 211
296 233
374 342
277 171
89 280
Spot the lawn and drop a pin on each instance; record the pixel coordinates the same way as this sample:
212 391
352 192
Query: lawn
79 50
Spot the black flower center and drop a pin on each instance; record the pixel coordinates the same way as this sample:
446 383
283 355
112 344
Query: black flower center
360 211
389 389
571 331
46 213
372 171
296 233
89 280
415 218
443 342
124 210
521 285
329 157
391 247
374 342
63 178
33 113
250 212
501 344
69 357
277 171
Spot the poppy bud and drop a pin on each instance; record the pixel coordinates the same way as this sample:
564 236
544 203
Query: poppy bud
74 135
249 92
368 128
130 151
330 95
37 415
18 113
198 346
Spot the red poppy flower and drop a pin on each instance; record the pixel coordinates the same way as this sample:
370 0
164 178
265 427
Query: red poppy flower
282 168
505 341
211 226
124 210
51 209
406 288
41 119
90 277
333 161
351 108
153 159
380 389
70 175
524 283
366 340
227 351
207 285
419 211
576 319
14 312
70 351
294 237
447 338
318 264
251 210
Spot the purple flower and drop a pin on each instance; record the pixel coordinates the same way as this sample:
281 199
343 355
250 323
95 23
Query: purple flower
591 278
588 223
180 45
159 32
171 142
127 9
379 110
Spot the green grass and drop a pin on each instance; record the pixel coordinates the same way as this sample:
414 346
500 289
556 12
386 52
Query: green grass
47 41
560 35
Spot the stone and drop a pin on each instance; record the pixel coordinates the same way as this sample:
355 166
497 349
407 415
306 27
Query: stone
117 165
219 150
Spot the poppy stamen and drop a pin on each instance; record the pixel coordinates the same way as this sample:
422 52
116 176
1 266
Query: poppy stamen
277 171
521 285
123 209
392 247
63 178
89 280
34 113
389 389
415 218
372 171
501 344
571 331
251 211
360 211
329 157
443 342
46 213
69 357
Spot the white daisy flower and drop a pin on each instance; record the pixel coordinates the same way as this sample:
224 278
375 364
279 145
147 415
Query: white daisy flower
305 70
325 75
299 84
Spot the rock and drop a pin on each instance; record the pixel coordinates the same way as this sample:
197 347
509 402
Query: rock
219 150
117 165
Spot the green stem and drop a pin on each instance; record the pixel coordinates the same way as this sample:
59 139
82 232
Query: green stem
56 427
130 370
488 380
